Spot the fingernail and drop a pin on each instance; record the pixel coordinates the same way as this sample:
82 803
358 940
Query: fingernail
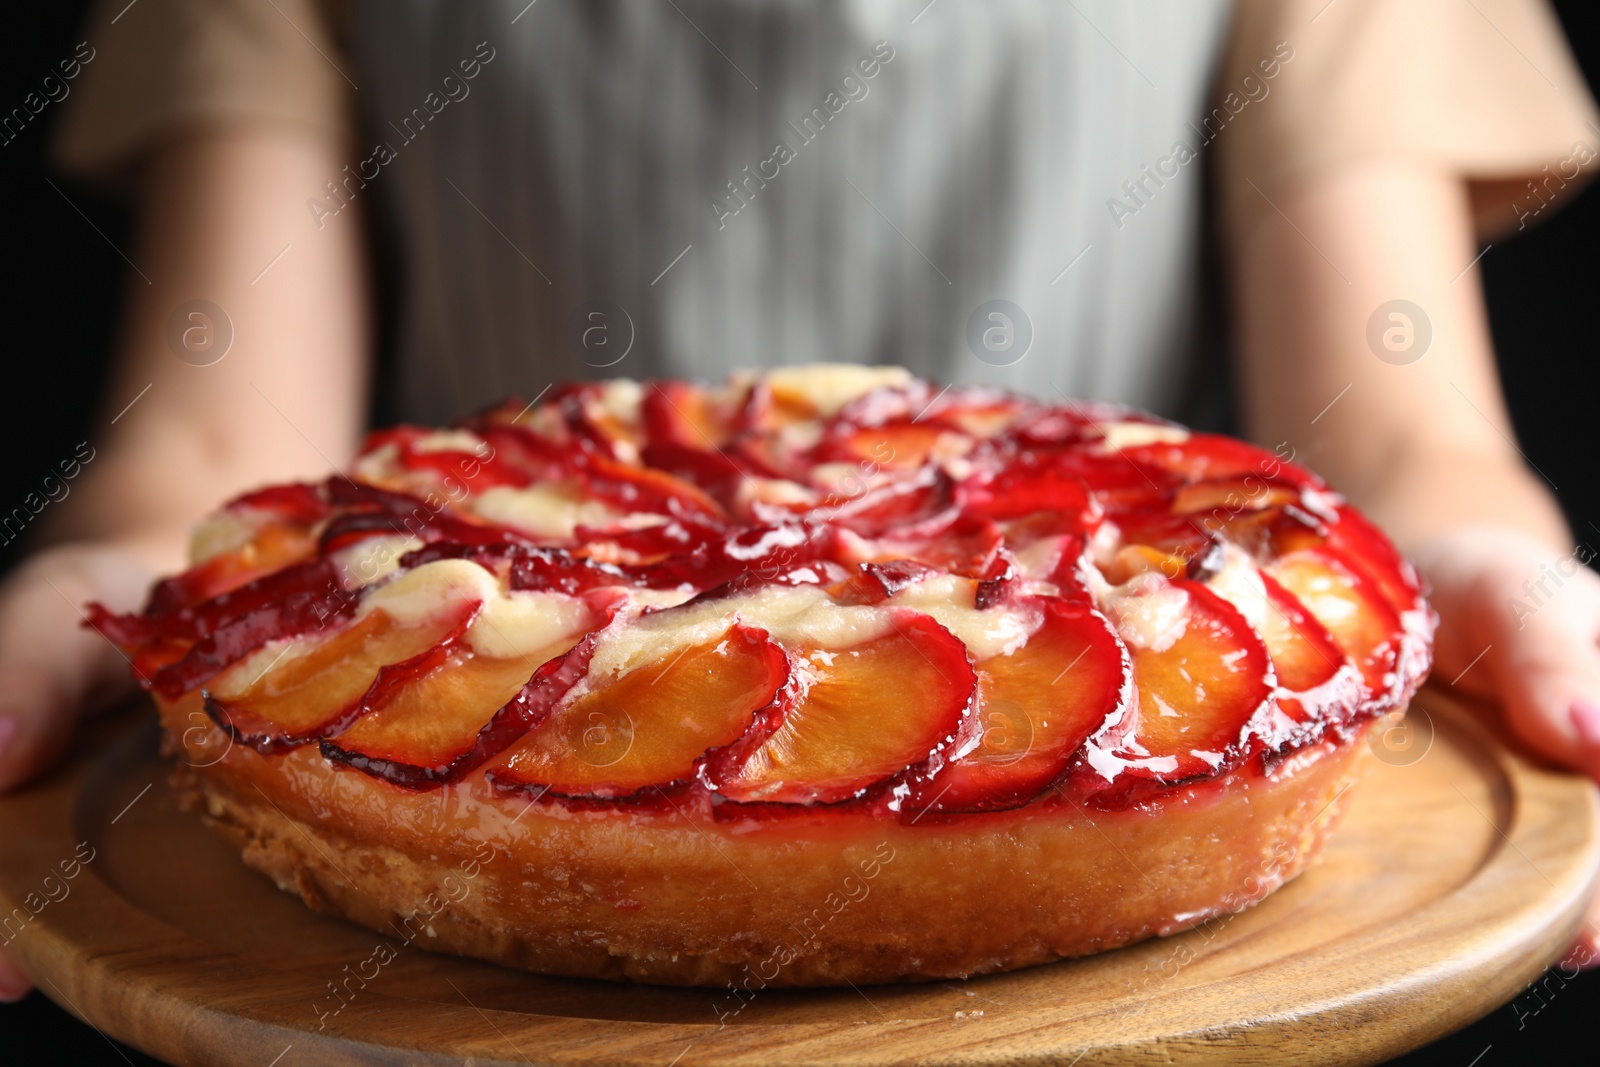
1585 719
8 730
13 989
1583 955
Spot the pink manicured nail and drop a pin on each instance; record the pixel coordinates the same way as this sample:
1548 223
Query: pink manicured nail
9 995
13 983
1583 955
1586 720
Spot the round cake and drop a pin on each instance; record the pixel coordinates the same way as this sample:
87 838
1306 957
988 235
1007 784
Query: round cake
822 675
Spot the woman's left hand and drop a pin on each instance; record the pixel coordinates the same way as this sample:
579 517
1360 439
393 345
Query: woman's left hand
1518 625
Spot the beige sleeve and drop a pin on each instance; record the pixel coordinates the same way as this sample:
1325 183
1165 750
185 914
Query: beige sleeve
160 66
1485 88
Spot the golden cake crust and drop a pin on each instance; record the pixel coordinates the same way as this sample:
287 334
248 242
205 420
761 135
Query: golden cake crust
827 899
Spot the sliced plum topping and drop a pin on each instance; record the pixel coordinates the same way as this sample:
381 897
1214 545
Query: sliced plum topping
1352 608
851 725
429 723
677 413
899 445
315 690
1223 498
1028 484
631 488
898 507
1316 680
967 545
651 726
1316 677
1204 456
1201 674
1363 546
528 707
1036 706
1255 608
271 549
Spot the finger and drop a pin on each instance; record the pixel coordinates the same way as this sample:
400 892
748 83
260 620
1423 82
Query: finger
14 984
1584 955
1546 670
1518 623
51 667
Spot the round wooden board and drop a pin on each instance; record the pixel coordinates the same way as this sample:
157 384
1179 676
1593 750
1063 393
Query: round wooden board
1452 881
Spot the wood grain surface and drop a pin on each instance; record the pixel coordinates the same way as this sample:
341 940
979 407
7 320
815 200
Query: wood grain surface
1458 874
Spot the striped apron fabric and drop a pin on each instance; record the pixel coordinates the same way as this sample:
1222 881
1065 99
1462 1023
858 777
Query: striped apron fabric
650 188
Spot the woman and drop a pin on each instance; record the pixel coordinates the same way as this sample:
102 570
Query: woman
1006 194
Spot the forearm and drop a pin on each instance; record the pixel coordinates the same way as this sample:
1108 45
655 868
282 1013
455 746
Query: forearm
1422 442
285 401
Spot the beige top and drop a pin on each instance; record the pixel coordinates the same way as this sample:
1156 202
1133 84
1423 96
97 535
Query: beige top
1011 151
1485 87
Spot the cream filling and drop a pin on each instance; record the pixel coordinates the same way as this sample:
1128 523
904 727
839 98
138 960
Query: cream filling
450 441
507 626
372 559
224 531
547 510
828 387
621 398
1121 435
1148 611
805 615
793 615
948 598
1239 583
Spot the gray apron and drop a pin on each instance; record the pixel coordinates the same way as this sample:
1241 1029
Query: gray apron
678 188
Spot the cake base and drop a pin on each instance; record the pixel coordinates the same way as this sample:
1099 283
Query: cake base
807 899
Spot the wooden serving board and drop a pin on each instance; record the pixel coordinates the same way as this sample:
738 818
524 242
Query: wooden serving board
1459 872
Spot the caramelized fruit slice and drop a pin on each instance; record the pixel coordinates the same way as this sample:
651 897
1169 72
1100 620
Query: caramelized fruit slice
899 445
679 413
1201 456
1027 485
1364 546
1157 541
898 507
651 726
324 688
1351 607
1036 706
526 709
431 721
630 488
1304 654
968 546
1201 674
1223 498
869 713
272 548
1317 683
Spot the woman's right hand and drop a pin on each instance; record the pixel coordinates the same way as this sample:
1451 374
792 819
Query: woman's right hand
53 668
217 204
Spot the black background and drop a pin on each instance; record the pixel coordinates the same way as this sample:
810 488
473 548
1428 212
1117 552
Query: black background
62 287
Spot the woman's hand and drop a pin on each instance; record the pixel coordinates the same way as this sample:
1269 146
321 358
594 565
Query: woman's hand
1518 625
280 404
52 668
1420 438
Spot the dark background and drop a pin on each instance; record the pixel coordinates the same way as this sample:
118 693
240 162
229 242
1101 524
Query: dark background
62 289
